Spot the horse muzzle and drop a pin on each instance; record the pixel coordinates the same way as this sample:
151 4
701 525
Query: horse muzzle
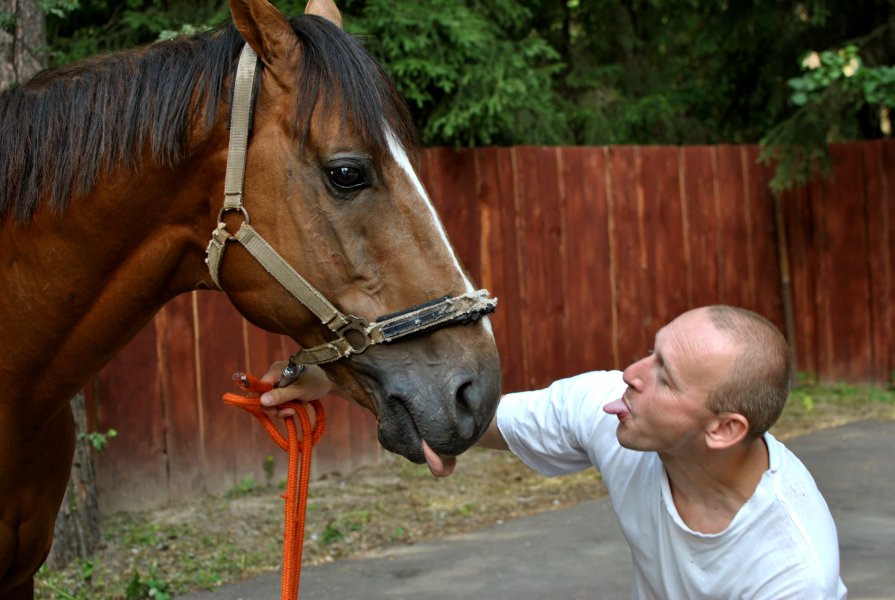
448 405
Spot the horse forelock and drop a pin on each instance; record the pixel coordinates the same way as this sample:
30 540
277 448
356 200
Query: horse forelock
66 127
336 64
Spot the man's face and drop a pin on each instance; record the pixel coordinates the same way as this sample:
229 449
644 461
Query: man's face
665 403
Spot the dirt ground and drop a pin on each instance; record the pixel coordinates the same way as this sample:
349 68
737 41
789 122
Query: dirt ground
205 543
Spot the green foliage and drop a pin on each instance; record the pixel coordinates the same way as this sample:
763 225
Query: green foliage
268 466
7 22
152 588
59 8
471 72
331 533
338 528
98 439
817 403
88 27
503 72
87 568
246 486
834 87
843 69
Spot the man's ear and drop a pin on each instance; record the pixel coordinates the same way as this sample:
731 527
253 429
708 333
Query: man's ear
726 430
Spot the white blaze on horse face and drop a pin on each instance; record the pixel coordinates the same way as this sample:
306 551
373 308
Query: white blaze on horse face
401 158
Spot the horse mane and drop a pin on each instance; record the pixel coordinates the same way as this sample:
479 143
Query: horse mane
66 127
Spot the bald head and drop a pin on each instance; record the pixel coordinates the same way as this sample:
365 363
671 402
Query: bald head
757 383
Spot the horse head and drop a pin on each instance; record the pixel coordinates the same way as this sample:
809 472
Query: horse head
330 185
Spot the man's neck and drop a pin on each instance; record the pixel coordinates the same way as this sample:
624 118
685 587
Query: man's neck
708 490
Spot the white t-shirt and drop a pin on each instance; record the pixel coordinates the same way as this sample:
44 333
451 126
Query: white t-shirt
781 544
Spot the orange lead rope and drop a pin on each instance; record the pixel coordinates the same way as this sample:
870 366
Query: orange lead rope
296 490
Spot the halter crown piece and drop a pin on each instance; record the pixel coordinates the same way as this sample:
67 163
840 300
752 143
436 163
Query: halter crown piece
355 334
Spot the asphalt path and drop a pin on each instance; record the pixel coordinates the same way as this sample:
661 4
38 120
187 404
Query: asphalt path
580 553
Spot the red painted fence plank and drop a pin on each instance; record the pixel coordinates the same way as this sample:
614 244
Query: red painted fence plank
764 264
845 256
628 256
701 239
540 259
587 266
665 294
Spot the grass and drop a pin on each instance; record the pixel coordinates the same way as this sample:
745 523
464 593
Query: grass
216 540
812 406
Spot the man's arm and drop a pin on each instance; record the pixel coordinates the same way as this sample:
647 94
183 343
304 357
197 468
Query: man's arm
492 438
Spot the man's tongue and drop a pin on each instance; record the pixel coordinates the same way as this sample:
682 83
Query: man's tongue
618 408
439 466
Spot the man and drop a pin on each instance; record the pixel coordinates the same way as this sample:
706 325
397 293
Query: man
712 506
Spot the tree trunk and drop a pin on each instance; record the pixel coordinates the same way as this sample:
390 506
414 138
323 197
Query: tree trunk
22 41
77 532
789 320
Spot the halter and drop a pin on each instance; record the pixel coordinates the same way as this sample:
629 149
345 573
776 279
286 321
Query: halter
355 334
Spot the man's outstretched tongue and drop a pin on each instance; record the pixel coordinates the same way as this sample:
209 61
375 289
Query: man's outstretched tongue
439 466
618 408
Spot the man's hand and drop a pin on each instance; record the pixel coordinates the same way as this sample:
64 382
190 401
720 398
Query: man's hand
313 384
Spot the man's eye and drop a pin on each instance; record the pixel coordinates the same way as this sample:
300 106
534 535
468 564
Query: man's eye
347 178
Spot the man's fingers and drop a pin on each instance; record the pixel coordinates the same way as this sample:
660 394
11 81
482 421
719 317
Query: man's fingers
282 413
274 372
277 396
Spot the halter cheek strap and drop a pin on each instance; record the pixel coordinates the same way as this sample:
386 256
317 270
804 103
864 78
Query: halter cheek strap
355 334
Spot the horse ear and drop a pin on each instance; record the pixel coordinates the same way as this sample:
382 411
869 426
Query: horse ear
264 28
326 9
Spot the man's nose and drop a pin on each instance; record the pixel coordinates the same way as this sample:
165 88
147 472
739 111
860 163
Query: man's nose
628 377
633 374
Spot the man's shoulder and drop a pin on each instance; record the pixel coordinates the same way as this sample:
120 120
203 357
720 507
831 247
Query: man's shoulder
788 473
591 383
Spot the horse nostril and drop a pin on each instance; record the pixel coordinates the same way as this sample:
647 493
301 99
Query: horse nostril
469 410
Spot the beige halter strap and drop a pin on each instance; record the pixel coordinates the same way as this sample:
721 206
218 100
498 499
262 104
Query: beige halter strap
355 334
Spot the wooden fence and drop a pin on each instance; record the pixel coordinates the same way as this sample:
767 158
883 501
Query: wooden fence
590 251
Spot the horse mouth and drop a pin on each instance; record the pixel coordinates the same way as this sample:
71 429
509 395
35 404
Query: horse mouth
401 432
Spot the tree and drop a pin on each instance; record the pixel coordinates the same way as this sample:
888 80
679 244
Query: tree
77 533
839 97
473 73
505 72
22 41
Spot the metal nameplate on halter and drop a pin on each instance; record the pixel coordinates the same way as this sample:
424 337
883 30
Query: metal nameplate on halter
435 314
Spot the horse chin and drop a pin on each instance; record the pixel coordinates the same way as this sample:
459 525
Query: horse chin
399 434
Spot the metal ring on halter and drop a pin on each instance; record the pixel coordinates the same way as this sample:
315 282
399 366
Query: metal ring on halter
240 208
355 332
291 374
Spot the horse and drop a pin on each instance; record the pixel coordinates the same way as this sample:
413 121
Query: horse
112 172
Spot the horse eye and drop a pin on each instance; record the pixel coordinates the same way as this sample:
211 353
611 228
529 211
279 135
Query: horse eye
347 178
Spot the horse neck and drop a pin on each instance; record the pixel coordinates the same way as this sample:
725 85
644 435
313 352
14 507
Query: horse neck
82 284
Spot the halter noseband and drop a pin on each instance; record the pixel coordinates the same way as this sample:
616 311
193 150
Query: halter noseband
355 334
